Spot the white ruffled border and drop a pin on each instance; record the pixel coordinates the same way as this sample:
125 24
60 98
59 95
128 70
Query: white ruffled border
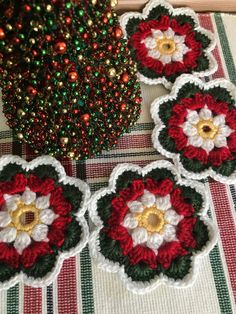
124 19
107 265
63 178
155 106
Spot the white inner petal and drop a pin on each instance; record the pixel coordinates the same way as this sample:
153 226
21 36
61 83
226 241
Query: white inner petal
169 33
139 236
130 222
220 141
169 233
47 216
189 129
179 39
195 140
5 219
165 59
135 207
157 34
22 241
28 197
8 234
163 203
208 145
40 232
155 241
42 202
219 120
177 56
11 201
148 199
154 53
172 217
225 131
192 117
205 113
150 42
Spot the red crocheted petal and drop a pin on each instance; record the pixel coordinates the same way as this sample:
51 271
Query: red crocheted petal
61 223
162 188
192 43
219 155
56 236
180 109
232 142
2 200
190 59
231 119
153 64
168 252
179 137
59 203
180 29
16 185
174 67
163 24
34 183
192 152
143 254
9 255
47 186
137 187
119 233
179 115
178 203
195 103
120 209
32 252
185 232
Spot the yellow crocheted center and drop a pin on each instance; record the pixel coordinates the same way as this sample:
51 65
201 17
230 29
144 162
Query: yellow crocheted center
25 217
206 129
166 46
152 219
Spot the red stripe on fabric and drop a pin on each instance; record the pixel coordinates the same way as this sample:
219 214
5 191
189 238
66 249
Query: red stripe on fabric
206 22
6 148
103 170
135 141
226 226
32 300
66 288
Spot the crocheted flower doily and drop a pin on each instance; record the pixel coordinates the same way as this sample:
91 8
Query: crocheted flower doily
196 127
41 220
151 226
167 42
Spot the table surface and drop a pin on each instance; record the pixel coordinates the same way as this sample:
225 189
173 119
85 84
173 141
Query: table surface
81 287
197 5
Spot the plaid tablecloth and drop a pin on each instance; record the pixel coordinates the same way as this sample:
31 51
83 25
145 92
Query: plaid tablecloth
81 287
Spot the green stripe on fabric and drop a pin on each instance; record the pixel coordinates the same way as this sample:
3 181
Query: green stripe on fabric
86 282
13 300
222 289
225 47
86 276
220 282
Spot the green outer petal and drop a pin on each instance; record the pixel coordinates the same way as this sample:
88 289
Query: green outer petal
73 195
42 267
141 272
9 171
132 26
167 142
72 235
179 267
201 234
104 207
6 272
46 171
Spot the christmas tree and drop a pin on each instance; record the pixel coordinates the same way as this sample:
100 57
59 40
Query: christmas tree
69 86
